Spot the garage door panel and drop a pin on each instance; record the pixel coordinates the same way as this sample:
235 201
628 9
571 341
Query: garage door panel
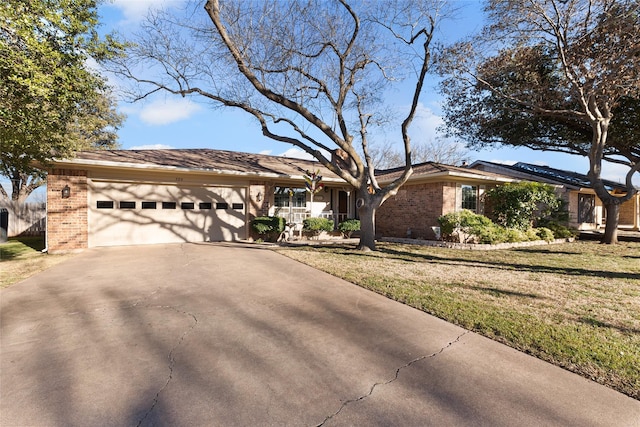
165 214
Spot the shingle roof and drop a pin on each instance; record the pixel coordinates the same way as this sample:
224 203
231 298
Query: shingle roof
206 160
560 176
431 168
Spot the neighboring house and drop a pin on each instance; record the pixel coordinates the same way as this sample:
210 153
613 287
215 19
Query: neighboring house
432 190
125 197
585 208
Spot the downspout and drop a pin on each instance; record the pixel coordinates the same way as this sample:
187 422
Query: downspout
46 221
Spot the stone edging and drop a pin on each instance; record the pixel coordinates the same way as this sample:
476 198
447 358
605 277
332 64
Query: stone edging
473 246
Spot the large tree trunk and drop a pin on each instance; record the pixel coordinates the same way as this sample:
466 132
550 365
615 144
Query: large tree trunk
611 228
367 205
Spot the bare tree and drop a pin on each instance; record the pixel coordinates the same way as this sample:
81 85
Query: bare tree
438 150
555 74
312 73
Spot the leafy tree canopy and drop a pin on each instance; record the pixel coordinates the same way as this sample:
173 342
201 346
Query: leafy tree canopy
51 102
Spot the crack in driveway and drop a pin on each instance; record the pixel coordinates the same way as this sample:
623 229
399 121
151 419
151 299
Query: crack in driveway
172 362
397 374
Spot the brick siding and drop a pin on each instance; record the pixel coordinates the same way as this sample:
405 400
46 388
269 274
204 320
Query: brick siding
67 218
414 210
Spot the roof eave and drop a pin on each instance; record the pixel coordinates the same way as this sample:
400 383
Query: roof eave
164 168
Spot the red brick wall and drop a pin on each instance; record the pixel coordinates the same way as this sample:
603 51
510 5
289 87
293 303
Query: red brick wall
414 210
66 218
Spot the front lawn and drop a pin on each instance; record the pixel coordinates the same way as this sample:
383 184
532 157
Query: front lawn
576 305
22 257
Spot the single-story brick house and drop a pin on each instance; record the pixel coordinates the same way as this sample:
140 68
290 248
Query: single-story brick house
586 211
123 197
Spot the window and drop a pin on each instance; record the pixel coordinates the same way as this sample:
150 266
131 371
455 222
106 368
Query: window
127 205
469 197
168 205
222 205
285 197
148 205
187 205
104 204
205 205
238 206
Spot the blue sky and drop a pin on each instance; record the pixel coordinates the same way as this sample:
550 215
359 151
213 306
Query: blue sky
166 121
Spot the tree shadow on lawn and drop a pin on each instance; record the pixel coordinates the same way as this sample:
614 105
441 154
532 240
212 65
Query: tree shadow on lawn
600 324
571 271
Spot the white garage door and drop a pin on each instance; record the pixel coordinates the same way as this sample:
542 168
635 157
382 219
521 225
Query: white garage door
132 214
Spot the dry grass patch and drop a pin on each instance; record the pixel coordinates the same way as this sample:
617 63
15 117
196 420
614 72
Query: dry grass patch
21 257
576 305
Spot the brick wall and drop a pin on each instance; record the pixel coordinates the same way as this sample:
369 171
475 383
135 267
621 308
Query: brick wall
66 218
414 210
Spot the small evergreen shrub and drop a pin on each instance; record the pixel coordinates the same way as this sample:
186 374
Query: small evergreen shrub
545 234
268 226
317 225
347 227
462 225
560 231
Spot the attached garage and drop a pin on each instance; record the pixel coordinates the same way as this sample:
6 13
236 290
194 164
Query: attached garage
129 213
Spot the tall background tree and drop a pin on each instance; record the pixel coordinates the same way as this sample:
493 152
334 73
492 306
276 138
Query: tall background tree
438 150
52 102
312 73
557 75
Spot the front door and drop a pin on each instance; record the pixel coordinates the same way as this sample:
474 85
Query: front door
586 208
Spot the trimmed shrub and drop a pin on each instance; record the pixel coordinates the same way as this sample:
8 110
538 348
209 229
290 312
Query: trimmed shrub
347 227
268 226
545 234
463 225
316 225
560 231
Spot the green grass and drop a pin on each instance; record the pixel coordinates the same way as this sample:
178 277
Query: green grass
22 257
576 305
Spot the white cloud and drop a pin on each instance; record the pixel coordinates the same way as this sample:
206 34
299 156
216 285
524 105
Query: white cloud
167 111
297 154
425 124
151 147
265 152
136 10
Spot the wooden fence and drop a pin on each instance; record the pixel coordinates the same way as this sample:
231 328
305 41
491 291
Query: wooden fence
25 219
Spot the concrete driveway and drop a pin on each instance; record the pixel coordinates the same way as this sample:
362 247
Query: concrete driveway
230 334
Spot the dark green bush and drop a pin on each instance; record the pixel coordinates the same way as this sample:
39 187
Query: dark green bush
347 227
316 225
268 226
522 205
